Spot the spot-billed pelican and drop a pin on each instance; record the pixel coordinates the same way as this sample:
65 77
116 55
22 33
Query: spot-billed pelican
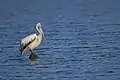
32 41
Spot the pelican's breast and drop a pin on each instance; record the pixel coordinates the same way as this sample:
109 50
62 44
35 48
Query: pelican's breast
35 43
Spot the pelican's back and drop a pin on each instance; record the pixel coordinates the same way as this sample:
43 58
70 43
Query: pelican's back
28 38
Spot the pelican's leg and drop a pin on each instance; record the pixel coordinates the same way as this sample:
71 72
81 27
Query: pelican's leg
31 52
32 55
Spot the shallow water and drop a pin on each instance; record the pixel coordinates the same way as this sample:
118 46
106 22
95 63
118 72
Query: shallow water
82 39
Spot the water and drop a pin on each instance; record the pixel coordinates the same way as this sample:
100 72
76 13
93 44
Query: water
82 39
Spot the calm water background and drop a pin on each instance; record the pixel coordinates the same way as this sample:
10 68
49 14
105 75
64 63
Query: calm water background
82 39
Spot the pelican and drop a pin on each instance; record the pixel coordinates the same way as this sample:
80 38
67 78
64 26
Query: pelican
32 41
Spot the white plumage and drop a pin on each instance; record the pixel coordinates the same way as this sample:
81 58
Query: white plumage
28 38
32 41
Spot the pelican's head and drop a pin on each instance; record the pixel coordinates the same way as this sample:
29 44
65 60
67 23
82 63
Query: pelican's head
39 29
38 25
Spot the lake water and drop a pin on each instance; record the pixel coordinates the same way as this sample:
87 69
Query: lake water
82 39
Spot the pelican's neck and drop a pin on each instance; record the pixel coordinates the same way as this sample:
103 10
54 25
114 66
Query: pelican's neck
39 30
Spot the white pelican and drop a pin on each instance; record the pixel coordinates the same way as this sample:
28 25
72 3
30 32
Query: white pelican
32 41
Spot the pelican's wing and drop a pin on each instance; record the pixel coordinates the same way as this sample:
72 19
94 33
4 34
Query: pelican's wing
28 38
26 41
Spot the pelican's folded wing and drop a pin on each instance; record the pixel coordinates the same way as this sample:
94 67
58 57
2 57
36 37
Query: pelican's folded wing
26 41
28 38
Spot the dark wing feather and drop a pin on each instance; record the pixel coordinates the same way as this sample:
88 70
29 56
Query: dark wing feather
23 46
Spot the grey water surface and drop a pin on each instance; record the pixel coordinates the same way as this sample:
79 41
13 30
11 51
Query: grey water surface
82 39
